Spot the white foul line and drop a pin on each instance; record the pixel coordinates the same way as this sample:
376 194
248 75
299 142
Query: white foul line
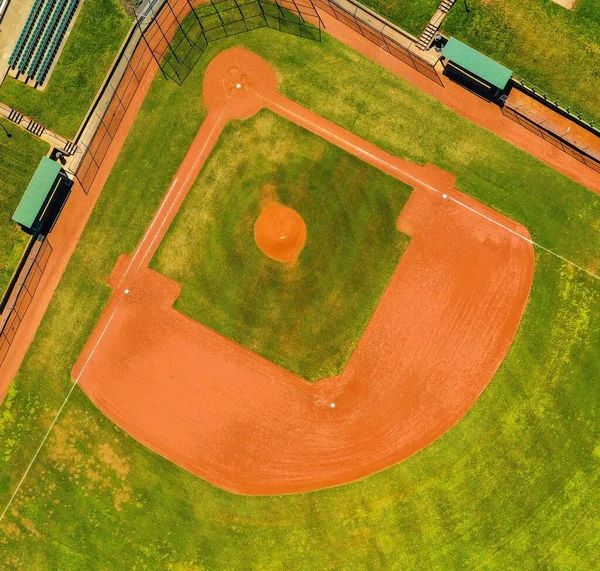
379 160
317 127
75 383
131 261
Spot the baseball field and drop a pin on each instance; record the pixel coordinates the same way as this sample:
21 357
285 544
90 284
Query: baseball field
371 164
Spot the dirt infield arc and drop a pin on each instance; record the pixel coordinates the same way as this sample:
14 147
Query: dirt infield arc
436 339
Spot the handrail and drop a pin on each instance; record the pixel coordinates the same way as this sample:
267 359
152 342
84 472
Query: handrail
591 124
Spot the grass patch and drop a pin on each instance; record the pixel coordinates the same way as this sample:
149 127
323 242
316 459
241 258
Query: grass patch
91 47
514 485
19 157
553 48
410 15
307 317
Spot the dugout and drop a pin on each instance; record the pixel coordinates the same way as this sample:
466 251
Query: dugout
474 70
43 199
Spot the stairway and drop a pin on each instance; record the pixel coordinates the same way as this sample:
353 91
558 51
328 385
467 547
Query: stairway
446 5
15 116
427 36
431 29
35 128
70 148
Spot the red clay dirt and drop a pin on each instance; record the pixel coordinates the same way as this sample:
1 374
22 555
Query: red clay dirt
436 339
280 232
69 227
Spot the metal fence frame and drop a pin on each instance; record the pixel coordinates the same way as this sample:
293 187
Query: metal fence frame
554 135
101 124
180 34
22 296
379 31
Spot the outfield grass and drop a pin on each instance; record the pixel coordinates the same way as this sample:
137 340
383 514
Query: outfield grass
553 48
514 485
410 15
19 157
306 317
91 47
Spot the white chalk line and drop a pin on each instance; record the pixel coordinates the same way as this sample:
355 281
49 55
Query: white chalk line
362 151
201 158
318 127
131 262
75 383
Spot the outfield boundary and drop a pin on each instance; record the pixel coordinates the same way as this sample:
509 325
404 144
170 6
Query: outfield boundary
385 35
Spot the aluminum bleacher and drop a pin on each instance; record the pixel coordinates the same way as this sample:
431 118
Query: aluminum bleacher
41 39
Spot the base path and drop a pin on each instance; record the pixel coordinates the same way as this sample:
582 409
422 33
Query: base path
73 219
436 339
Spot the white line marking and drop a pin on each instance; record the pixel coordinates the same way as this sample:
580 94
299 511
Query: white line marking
182 187
136 253
303 120
332 135
62 406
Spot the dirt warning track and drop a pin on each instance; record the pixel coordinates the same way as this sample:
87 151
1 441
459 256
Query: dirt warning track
436 339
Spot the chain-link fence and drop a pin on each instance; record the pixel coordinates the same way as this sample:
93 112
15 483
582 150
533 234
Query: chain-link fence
22 295
382 33
175 34
553 134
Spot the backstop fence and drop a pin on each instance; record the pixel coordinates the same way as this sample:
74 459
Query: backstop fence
175 33
382 33
22 295
553 134
179 33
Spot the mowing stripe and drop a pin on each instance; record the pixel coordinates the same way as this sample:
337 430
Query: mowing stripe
272 105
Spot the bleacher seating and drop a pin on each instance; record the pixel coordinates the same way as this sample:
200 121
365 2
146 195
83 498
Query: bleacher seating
41 38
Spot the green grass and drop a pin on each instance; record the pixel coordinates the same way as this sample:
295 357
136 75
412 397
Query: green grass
91 47
514 485
19 157
410 15
306 317
553 48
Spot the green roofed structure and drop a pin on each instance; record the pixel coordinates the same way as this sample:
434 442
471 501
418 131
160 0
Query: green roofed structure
44 182
476 66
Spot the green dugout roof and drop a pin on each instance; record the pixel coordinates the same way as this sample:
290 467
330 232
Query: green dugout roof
478 64
40 186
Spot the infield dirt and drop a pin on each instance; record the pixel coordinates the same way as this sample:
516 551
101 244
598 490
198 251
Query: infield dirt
436 339
70 226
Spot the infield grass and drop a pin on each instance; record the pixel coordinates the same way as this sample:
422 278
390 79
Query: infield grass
514 485
91 47
19 157
309 315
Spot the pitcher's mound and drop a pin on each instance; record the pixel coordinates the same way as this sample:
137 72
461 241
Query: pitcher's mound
280 232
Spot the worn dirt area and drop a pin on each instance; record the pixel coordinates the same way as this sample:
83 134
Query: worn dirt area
435 341
568 4
72 221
